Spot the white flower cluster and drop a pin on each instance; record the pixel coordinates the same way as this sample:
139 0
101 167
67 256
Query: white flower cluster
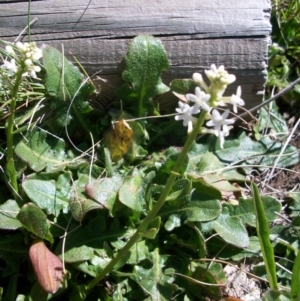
211 97
28 53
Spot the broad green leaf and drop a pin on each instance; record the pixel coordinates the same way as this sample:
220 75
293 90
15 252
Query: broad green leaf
78 254
63 187
206 190
105 191
85 168
209 170
37 293
263 234
145 61
231 229
154 281
197 151
172 222
153 228
295 203
44 194
8 215
270 118
172 156
183 86
57 66
204 275
35 221
245 210
132 191
139 252
215 246
189 207
272 295
80 204
259 153
12 250
41 151
204 209
218 272
91 237
201 240
63 82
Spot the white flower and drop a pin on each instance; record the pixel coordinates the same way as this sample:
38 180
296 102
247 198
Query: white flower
31 70
9 49
197 77
10 66
200 99
220 75
220 124
185 114
28 62
21 46
26 54
236 99
29 51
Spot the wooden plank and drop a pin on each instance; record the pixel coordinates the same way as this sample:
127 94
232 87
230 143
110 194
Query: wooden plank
195 34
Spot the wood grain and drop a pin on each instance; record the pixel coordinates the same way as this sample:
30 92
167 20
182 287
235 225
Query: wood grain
195 34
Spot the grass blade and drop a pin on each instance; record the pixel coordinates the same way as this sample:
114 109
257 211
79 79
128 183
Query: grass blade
262 228
295 291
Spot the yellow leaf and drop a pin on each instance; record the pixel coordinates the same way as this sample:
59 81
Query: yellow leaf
118 140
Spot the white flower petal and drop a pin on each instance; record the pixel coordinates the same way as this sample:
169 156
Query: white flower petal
220 124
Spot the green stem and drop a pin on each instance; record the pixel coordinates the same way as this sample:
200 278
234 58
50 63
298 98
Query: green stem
10 165
160 202
28 20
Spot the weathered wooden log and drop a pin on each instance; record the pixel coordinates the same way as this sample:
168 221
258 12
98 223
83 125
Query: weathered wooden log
195 34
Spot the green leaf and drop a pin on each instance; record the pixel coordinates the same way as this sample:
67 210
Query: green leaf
41 151
272 295
245 210
132 192
263 152
78 254
80 204
57 66
189 206
295 203
63 82
183 86
231 229
83 241
8 215
105 191
208 171
154 281
139 252
35 221
12 249
145 60
263 233
271 119
204 275
295 291
172 156
44 194
215 246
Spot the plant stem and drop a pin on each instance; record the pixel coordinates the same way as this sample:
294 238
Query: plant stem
160 202
10 165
